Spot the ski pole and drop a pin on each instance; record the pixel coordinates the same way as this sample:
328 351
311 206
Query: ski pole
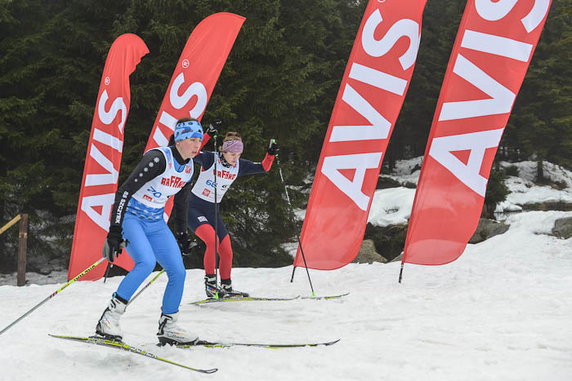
297 235
55 293
215 211
106 249
109 266
147 285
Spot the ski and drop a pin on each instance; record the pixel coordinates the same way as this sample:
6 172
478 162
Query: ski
129 348
216 344
252 298
241 299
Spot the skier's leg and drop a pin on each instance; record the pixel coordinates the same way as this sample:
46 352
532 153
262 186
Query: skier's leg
168 255
206 233
141 251
225 253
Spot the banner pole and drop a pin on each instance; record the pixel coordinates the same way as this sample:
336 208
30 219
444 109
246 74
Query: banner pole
297 235
293 271
54 294
401 272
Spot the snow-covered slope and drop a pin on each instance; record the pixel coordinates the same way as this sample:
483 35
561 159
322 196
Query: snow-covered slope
501 312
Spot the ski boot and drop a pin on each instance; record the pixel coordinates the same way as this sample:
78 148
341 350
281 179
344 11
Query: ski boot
228 292
170 333
211 288
108 324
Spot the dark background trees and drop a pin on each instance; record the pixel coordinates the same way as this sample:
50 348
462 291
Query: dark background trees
280 81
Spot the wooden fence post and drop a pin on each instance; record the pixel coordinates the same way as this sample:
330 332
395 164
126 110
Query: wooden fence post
22 248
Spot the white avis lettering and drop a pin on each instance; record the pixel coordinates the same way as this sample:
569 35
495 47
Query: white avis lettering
378 126
177 102
500 102
402 28
98 207
108 116
477 143
494 51
358 162
104 202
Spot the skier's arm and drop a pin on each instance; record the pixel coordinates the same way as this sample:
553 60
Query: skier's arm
248 167
205 159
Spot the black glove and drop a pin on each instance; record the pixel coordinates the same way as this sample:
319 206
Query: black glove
185 243
272 147
212 129
114 243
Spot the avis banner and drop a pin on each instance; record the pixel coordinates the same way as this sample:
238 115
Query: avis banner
196 74
103 159
195 77
371 94
192 83
490 57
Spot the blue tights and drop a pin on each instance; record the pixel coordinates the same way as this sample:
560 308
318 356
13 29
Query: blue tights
151 242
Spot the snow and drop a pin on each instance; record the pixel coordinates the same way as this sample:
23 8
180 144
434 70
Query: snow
391 206
500 312
524 191
407 170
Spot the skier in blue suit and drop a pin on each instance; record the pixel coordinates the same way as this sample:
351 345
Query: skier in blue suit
137 219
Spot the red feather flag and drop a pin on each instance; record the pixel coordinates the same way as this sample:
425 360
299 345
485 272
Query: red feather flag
492 52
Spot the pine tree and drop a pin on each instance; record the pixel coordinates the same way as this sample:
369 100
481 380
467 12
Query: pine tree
541 123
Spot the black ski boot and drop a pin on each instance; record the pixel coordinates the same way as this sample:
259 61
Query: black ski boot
228 292
211 288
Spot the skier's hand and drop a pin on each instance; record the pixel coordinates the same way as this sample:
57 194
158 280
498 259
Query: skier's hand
213 128
185 243
114 243
272 147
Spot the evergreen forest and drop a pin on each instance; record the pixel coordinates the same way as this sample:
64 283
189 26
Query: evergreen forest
280 81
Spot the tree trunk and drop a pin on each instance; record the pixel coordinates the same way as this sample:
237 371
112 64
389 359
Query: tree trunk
540 172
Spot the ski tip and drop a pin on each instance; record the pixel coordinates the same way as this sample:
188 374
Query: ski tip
63 336
210 371
333 342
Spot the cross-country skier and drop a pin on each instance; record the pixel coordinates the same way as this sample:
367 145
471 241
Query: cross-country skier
137 219
202 220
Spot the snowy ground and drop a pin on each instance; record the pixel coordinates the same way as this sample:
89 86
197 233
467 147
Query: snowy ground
501 312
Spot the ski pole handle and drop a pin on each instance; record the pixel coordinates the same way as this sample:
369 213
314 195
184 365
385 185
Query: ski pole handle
54 293
272 148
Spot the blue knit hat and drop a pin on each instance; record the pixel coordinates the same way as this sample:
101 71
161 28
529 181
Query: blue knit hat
187 130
